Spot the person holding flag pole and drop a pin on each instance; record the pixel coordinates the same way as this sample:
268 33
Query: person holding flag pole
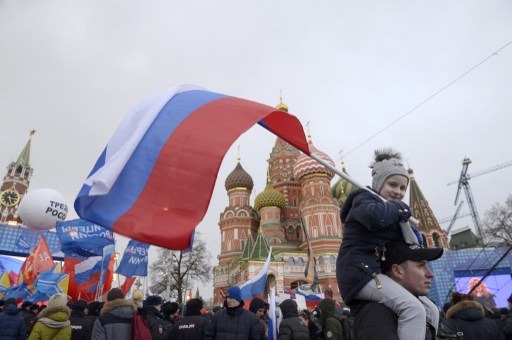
369 224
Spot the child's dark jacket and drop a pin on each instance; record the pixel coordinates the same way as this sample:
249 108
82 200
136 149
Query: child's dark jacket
369 223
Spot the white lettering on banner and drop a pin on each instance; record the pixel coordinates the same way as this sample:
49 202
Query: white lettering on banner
44 256
81 232
138 260
141 251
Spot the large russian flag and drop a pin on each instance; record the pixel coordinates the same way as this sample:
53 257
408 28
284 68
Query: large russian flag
154 180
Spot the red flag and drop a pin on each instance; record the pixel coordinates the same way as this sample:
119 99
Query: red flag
13 277
39 260
76 291
127 284
109 278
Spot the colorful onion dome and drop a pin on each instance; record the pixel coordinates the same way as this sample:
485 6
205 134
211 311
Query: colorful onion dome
342 188
306 165
239 178
270 197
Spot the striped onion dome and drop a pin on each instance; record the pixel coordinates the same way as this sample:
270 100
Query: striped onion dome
306 165
238 178
270 197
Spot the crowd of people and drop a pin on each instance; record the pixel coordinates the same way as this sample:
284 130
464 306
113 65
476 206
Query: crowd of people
120 318
154 319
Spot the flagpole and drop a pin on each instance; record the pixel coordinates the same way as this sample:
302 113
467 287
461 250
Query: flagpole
353 181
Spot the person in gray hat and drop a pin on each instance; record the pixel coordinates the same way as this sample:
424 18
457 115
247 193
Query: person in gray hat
369 223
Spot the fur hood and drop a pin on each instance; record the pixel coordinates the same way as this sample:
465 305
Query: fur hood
464 305
47 312
118 303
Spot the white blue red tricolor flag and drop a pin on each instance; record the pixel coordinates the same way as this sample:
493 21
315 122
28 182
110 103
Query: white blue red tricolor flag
256 286
154 180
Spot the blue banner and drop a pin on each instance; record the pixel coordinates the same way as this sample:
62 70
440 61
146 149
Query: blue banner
22 242
80 238
135 260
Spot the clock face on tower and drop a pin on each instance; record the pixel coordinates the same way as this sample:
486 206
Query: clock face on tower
9 198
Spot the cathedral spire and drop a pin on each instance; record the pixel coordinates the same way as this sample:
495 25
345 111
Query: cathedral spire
428 226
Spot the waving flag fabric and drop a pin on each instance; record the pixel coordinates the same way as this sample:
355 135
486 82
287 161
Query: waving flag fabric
86 290
135 260
127 284
256 286
21 291
107 266
272 319
88 270
4 282
39 297
51 283
39 260
154 180
80 238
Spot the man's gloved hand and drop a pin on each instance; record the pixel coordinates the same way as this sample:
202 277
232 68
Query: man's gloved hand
404 213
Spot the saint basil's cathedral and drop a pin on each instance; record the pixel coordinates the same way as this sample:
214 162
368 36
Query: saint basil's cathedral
298 195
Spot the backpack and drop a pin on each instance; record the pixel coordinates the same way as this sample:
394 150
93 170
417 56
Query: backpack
448 330
140 328
347 326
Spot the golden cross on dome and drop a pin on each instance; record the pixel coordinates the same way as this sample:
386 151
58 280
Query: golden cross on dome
341 158
309 133
32 132
238 155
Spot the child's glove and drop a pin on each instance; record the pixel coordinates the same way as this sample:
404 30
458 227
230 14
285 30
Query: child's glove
404 213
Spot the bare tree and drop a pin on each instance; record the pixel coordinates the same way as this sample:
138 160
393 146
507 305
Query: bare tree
499 222
184 268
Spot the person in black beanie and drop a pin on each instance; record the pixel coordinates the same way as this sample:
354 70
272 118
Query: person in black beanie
29 316
159 326
259 308
171 311
81 327
193 325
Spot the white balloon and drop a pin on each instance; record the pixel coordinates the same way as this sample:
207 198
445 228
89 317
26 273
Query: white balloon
41 208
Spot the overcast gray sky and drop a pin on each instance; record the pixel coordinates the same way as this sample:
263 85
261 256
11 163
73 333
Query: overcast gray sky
73 69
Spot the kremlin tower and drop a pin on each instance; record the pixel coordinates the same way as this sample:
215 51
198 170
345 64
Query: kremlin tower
15 184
